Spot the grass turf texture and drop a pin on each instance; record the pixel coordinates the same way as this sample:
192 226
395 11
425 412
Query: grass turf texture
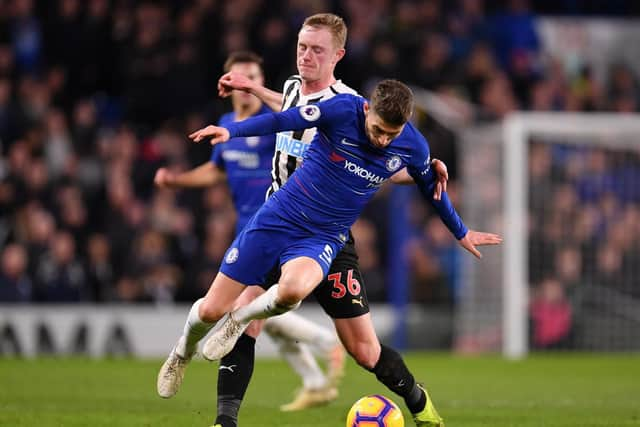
548 391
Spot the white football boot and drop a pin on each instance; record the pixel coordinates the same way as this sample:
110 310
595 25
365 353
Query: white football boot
172 373
223 337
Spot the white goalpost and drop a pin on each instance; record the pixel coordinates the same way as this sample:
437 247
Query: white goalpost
579 290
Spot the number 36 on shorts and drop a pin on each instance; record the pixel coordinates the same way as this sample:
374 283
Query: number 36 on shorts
341 288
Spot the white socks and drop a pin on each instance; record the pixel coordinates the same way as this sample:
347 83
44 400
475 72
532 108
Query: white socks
293 327
194 330
262 307
295 337
301 360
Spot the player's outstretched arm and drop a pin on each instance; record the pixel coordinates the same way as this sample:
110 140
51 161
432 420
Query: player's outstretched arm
216 133
402 177
468 239
478 238
298 118
237 81
204 175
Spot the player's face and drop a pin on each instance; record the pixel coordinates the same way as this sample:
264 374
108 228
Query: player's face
317 54
252 71
378 131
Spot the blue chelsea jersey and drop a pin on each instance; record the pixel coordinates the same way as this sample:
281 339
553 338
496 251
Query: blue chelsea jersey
247 163
342 170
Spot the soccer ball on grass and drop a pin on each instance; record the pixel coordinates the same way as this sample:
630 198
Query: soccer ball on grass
375 411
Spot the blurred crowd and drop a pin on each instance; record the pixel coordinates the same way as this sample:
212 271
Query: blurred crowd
95 95
591 188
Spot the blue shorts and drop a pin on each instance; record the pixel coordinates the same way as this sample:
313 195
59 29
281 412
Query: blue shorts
270 240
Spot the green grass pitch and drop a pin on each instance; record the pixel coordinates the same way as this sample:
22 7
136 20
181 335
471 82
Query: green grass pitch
548 391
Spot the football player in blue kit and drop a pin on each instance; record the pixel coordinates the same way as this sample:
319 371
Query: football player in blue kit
244 163
321 45
358 146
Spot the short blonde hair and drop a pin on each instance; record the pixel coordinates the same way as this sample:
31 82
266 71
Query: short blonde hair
331 22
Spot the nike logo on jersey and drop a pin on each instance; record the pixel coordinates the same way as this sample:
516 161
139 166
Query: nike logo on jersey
345 142
229 368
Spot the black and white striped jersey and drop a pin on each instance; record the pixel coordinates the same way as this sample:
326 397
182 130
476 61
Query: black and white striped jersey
291 146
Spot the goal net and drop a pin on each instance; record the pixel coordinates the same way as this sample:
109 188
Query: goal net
564 191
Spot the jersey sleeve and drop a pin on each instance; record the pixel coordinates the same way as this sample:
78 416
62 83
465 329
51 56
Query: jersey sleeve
426 180
288 88
216 152
324 114
216 157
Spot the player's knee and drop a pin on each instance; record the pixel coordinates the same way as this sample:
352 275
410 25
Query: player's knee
289 294
210 312
364 353
299 277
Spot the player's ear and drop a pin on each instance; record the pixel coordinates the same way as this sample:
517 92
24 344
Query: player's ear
339 54
365 107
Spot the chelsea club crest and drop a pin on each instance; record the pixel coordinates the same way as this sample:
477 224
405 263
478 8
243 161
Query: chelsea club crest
393 164
232 256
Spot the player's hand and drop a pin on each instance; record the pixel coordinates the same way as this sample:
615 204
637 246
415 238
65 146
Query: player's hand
216 133
478 238
233 81
164 178
442 176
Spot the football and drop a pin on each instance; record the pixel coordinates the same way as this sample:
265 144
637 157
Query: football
375 411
